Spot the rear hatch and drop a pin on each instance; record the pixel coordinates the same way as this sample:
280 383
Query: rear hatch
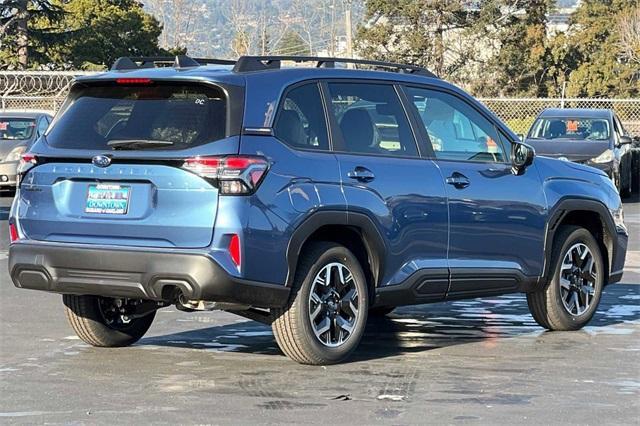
109 171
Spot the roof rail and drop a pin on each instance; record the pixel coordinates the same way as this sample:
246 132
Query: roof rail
261 63
180 61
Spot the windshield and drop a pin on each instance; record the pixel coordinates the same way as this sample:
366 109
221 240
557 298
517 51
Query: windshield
156 116
16 128
596 129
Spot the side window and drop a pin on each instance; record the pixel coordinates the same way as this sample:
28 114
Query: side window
371 119
620 128
456 130
301 122
42 126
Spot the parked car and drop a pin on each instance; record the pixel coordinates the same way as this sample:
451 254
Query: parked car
18 130
306 198
594 137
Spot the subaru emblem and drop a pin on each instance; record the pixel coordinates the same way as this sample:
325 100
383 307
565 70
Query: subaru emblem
101 161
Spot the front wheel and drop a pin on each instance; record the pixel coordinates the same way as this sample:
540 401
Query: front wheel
327 311
107 322
570 297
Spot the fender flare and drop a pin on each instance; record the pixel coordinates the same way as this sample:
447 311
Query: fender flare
567 205
363 224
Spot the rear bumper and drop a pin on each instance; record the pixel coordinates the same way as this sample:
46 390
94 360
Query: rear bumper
136 274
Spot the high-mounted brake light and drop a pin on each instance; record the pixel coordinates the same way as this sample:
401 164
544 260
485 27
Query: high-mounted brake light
233 175
133 81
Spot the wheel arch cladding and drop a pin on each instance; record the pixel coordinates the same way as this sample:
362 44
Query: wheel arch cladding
357 233
589 214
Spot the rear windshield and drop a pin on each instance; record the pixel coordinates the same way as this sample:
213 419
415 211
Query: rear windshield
596 129
16 128
156 116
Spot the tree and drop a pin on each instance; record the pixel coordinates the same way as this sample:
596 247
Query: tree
85 33
292 44
604 66
629 24
17 33
520 59
414 31
108 29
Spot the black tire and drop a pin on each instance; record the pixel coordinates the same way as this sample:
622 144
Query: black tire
626 181
546 304
88 321
381 311
292 325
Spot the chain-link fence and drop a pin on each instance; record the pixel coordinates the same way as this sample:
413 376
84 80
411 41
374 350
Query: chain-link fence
45 90
35 90
519 113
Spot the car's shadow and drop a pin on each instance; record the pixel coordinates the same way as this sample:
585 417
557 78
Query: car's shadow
419 328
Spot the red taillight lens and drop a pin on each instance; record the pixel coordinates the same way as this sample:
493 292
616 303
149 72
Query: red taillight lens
27 161
234 175
142 81
13 233
28 158
234 249
203 166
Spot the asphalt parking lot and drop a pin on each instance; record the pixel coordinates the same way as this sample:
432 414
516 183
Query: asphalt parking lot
477 361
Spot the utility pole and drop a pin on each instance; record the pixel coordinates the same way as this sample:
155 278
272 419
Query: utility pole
348 28
332 45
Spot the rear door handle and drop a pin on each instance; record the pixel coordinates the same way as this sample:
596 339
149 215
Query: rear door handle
361 174
458 180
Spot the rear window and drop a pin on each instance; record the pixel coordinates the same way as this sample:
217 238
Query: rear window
157 116
596 129
16 128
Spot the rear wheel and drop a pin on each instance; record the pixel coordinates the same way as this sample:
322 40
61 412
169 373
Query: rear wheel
327 311
107 322
570 297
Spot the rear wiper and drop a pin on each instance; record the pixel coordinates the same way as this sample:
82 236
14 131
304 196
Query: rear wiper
137 143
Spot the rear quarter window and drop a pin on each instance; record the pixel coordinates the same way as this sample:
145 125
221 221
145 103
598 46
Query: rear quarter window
182 116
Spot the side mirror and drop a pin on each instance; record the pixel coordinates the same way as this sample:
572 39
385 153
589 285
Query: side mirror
625 140
521 157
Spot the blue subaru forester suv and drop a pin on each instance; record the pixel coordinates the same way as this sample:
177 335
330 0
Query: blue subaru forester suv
305 198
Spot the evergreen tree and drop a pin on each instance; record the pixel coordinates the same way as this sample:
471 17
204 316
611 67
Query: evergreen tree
413 31
602 66
17 32
292 44
81 34
521 59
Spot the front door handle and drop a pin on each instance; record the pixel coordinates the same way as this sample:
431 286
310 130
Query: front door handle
458 180
361 174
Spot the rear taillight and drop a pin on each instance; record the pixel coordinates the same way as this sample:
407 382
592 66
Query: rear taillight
27 162
233 175
13 233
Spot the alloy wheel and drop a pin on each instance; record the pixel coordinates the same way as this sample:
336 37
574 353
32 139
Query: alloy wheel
333 304
578 278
